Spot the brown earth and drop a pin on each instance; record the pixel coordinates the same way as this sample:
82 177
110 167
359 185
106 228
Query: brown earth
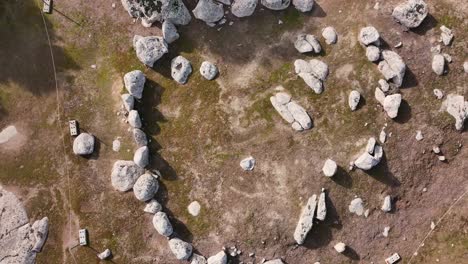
200 131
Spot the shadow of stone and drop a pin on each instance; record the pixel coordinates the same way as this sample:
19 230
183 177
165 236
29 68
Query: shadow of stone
351 253
97 149
404 112
167 171
25 48
319 236
361 104
382 173
148 108
409 80
342 178
332 220
428 23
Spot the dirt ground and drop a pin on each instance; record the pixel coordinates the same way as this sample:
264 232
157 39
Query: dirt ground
200 131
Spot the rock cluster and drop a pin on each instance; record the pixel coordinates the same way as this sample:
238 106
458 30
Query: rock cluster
158 10
307 43
371 157
149 49
314 73
292 112
169 32
411 13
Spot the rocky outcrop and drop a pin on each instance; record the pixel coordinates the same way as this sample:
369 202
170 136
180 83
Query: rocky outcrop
248 163
353 100
329 34
149 49
162 224
83 144
169 32
276 4
145 187
314 73
411 13
151 11
180 69
303 5
243 8
181 250
135 83
124 174
329 168
141 157
208 70
291 111
208 11
392 67
307 43
306 220
457 107
369 36
219 258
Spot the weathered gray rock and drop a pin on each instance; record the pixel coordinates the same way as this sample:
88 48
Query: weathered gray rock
356 206
243 8
392 104
300 115
248 163
208 70
145 187
411 13
329 168
274 261
40 229
197 259
307 43
128 101
373 53
458 108
387 204
303 5
219 258
140 137
384 86
313 73
169 32
151 11
181 250
438 64
152 206
83 144
134 83
105 254
134 119
446 36
306 220
124 174
371 145
315 84
281 107
353 99
329 34
321 207
149 50
180 69
162 224
319 69
379 96
392 67
208 11
141 157
291 111
366 161
276 4
368 36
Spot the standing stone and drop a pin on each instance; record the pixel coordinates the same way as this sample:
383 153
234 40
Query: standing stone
134 119
83 144
128 101
276 4
124 174
208 70
387 204
208 11
392 104
321 207
243 8
353 100
303 5
220 258
369 35
356 206
180 69
382 136
329 34
141 156
411 13
329 168
366 161
140 137
134 83
248 163
162 224
306 220
145 187
149 49
438 64
372 53
181 250
169 32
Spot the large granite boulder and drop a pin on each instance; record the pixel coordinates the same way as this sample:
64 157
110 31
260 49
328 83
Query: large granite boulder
208 11
368 36
134 119
303 5
139 137
306 220
392 104
181 250
411 13
83 144
151 11
135 83
243 8
145 187
141 156
149 49
276 4
162 224
124 174
180 69
392 67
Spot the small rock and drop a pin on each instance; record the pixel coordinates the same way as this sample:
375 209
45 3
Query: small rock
436 150
181 250
128 101
446 36
458 108
442 158
387 204
274 261
220 258
152 207
465 66
340 247
382 136
248 163
433 225
436 49
116 145
372 53
243 8
438 64
208 70
438 94
353 99
194 208
329 168
145 187
419 135
384 86
399 45
83 144
307 43
356 206
385 231
371 145
329 34
162 225
366 213
379 96
105 254
134 119
180 69
411 13
447 57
